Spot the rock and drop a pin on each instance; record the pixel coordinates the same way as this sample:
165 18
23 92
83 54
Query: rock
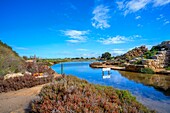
161 59
132 61
13 75
27 73
94 64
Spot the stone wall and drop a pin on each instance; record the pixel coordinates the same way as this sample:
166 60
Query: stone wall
159 61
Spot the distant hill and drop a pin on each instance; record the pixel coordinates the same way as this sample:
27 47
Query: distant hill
10 62
136 52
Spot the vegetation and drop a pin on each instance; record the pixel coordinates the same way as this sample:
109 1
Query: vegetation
21 82
154 50
72 95
10 61
106 56
138 62
167 68
50 62
147 71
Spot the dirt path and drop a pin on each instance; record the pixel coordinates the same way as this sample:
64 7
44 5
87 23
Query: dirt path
18 101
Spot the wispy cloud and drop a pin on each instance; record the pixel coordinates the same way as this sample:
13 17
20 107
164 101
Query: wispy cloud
139 25
92 54
101 16
133 6
162 19
81 49
76 36
116 52
138 17
148 46
166 22
161 2
118 39
21 48
120 5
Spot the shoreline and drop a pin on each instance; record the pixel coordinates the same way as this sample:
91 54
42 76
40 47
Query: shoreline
114 67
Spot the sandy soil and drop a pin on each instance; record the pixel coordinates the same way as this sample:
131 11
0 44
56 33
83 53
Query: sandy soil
18 101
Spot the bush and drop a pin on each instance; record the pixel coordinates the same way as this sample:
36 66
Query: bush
138 62
152 52
78 96
26 81
147 71
167 68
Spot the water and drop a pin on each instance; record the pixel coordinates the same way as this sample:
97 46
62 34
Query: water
151 90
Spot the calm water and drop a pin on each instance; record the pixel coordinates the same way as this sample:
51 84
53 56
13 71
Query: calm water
151 90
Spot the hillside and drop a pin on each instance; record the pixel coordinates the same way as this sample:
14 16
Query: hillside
136 52
10 61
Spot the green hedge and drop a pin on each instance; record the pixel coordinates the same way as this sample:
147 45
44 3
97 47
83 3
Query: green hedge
147 71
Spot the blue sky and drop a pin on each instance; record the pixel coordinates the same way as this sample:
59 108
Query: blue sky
87 28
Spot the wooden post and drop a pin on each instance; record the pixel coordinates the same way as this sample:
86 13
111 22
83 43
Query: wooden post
62 69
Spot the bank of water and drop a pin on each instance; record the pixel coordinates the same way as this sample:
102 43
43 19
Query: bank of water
151 90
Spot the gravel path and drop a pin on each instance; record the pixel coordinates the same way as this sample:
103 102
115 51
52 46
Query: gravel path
18 101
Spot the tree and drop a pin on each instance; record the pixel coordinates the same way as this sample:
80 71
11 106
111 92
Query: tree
106 56
25 57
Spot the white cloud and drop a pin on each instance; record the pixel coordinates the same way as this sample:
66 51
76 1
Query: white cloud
120 5
21 48
81 49
161 2
74 41
118 39
100 19
76 36
92 54
116 52
162 19
166 22
138 17
135 36
133 6
139 25
149 46
113 40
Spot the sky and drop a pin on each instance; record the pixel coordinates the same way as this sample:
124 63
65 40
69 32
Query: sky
82 28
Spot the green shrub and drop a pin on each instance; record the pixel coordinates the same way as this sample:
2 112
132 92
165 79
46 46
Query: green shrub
150 53
167 68
138 62
147 71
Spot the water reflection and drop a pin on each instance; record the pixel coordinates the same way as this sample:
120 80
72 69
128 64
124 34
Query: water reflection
159 82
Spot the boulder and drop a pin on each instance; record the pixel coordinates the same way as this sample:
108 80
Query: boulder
13 75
